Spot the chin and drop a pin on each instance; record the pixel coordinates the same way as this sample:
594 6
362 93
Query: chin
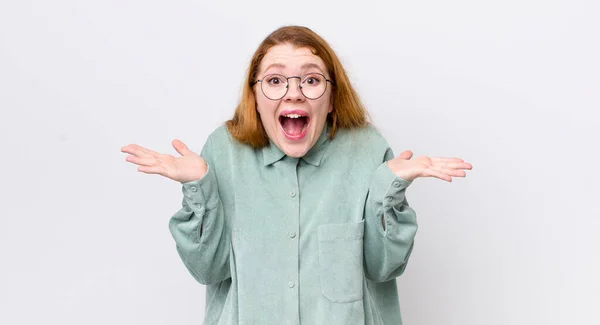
295 151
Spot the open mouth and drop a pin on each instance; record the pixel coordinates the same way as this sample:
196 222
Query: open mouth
294 124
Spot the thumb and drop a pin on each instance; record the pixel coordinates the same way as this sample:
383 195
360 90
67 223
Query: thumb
406 154
180 147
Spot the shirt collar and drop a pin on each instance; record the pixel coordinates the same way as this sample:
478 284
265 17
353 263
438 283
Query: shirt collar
272 154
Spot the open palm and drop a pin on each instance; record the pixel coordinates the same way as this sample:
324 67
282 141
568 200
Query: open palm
190 166
424 166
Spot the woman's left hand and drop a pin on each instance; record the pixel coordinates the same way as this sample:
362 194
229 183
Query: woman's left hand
423 166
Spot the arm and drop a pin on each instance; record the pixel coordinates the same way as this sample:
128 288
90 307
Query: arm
390 224
199 227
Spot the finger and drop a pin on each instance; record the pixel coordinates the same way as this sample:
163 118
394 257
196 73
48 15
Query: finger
181 148
407 154
453 165
143 161
151 170
435 173
449 171
137 150
146 150
133 151
446 159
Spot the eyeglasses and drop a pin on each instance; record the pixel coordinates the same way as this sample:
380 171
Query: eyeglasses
275 86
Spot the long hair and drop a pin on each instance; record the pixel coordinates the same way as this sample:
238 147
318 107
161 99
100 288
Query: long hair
348 112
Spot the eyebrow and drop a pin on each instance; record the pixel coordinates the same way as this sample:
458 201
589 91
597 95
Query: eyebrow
275 65
303 67
311 65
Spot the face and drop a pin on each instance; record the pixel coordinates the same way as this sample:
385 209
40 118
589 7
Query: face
294 122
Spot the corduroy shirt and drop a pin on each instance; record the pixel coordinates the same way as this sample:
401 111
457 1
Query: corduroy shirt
284 241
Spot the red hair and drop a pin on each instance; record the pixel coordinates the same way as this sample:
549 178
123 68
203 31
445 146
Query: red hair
348 111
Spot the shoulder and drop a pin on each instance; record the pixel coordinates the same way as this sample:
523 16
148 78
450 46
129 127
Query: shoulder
217 140
221 143
365 144
368 137
220 136
222 139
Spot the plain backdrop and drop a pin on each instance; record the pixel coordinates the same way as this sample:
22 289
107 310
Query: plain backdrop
509 86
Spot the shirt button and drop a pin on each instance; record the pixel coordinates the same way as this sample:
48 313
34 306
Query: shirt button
291 284
198 205
389 198
397 184
193 188
292 234
293 193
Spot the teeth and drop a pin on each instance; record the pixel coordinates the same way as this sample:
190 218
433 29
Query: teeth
293 115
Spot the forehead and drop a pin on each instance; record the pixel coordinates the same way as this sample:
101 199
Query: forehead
290 58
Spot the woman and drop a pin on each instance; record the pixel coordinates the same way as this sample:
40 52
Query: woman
295 210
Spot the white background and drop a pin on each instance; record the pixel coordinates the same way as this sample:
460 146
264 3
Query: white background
512 87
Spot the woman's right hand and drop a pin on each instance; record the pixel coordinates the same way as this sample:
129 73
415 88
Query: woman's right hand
189 167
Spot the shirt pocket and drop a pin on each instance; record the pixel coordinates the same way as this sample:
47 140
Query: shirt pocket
341 261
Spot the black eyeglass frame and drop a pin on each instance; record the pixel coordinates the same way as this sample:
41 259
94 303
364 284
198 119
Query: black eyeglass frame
287 86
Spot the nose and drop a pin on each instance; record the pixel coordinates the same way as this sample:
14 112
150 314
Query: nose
293 92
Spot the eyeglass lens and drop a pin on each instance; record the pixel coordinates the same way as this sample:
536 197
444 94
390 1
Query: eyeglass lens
312 86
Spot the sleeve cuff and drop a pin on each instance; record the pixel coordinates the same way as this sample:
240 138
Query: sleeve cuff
202 193
388 187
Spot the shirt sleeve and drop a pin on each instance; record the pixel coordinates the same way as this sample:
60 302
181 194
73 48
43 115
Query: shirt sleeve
199 227
390 224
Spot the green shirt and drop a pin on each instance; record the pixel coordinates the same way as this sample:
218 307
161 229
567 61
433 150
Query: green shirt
280 240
